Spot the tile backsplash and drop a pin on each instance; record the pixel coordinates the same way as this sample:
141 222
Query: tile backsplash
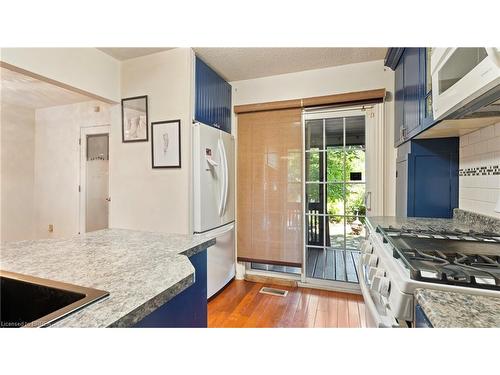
480 171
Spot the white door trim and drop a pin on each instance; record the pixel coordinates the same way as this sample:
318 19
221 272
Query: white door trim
101 129
375 171
375 167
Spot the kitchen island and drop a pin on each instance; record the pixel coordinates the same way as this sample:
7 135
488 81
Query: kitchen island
142 271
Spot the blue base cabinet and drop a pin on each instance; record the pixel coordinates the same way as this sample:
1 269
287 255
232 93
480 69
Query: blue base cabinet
421 320
189 308
427 178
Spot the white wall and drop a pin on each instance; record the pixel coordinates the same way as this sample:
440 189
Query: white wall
57 164
86 69
142 197
479 192
335 80
17 172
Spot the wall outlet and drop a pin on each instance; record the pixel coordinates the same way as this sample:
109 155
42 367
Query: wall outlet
51 228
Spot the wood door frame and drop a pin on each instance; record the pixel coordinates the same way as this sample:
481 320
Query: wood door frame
82 187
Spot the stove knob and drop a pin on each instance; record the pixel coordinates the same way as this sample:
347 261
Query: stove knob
365 258
373 260
371 273
368 249
375 276
384 287
363 246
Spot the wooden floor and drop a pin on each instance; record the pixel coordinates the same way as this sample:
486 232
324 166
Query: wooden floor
329 264
241 305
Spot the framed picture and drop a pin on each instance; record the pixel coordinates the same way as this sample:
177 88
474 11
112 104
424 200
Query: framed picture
135 119
166 144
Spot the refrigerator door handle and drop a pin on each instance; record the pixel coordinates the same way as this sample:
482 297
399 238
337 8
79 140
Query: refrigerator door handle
223 170
226 177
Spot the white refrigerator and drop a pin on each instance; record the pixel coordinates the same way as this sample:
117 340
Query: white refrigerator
214 201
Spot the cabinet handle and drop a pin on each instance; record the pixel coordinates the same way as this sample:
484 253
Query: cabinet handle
402 133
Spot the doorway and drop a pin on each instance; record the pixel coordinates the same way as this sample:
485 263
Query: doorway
94 178
338 193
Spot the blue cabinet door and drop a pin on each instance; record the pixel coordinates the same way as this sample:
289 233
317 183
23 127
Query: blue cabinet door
412 91
399 97
212 97
433 178
189 308
413 94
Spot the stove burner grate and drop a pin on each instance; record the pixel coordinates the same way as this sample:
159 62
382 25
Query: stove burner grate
451 261
477 271
445 234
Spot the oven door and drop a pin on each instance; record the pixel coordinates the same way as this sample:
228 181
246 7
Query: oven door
460 75
377 315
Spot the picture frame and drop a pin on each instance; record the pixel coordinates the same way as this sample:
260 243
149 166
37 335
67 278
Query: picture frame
135 119
166 144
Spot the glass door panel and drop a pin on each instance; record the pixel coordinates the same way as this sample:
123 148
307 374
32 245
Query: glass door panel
313 166
97 182
335 194
314 134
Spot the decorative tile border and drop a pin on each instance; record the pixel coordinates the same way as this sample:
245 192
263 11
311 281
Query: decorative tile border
479 171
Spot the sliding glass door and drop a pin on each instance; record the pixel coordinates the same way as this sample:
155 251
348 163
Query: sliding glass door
335 191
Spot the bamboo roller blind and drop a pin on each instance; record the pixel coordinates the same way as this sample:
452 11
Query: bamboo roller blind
270 187
357 97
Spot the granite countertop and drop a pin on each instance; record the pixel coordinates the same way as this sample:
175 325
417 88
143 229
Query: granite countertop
458 310
424 223
141 270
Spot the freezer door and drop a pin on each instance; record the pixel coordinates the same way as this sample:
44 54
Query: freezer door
221 263
229 202
208 181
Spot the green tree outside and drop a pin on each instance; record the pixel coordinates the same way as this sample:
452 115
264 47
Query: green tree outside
354 162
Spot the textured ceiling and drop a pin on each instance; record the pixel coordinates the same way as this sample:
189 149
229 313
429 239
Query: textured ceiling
236 64
130 53
23 91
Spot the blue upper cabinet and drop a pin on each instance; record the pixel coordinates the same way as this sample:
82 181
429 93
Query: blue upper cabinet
413 91
212 97
399 97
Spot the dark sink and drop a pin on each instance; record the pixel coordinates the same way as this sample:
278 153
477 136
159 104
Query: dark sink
27 301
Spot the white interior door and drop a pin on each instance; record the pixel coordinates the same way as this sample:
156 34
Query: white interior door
94 179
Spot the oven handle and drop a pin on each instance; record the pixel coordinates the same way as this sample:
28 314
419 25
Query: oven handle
381 321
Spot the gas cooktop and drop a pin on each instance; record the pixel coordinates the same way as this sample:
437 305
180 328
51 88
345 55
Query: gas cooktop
469 259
